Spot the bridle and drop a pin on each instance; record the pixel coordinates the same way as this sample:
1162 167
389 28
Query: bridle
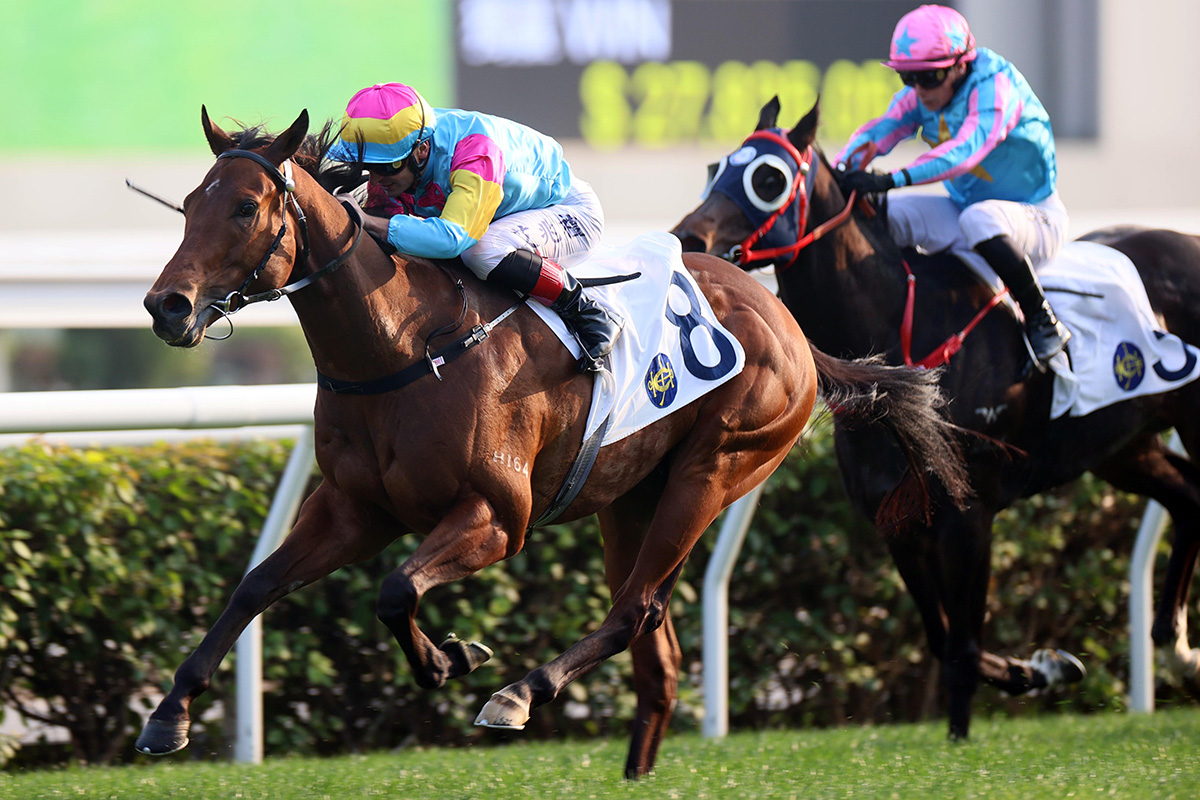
785 255
238 299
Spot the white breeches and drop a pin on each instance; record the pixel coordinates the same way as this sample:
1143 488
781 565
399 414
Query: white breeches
564 233
933 223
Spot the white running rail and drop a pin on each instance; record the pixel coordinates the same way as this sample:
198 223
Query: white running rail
200 410
729 544
292 404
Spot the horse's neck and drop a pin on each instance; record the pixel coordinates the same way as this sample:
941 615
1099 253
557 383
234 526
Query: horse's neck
366 318
848 289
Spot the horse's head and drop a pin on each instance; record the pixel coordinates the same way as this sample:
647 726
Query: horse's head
755 208
237 235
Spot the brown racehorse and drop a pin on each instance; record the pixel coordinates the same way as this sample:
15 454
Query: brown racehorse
417 454
848 287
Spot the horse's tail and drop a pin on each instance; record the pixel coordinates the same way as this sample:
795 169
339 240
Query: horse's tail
908 402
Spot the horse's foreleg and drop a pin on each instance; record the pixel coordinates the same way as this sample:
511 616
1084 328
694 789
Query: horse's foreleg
1011 675
964 540
468 539
1170 628
911 554
330 533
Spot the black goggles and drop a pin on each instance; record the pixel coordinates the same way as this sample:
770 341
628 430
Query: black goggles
385 170
925 78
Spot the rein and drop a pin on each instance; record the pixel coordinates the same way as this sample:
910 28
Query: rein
942 353
237 299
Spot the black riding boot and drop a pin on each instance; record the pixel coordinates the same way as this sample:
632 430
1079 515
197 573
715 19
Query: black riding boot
596 331
529 273
1047 335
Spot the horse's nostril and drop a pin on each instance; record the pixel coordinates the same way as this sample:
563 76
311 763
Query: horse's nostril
692 244
174 306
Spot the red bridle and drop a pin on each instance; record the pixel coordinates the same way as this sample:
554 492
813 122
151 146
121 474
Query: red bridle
745 252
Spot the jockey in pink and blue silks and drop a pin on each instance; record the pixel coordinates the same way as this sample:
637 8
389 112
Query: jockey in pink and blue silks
992 147
500 195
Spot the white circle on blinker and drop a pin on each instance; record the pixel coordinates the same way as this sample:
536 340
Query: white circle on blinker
775 162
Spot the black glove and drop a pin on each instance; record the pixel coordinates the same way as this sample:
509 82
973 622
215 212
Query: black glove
865 182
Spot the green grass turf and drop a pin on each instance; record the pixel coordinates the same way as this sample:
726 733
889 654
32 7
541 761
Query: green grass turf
1103 755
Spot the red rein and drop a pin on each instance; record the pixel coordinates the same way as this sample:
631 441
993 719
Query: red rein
943 352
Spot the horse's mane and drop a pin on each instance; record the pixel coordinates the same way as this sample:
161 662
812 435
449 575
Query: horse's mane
333 176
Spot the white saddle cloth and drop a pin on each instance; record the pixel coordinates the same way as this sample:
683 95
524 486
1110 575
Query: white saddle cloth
1118 349
672 349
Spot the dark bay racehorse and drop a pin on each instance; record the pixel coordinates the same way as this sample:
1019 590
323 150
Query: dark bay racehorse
409 452
847 287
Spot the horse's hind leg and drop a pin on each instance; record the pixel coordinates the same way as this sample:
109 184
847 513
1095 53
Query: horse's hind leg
916 563
330 533
1148 468
468 539
656 656
639 607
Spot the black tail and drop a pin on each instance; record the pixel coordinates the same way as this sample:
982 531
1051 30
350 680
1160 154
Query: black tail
908 402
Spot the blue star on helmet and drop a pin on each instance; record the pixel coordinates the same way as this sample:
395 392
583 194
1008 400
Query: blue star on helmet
904 44
957 37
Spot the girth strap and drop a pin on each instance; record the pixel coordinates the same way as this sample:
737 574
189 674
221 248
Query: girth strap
578 474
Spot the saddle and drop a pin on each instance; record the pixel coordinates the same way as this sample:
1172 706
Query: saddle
1118 349
672 349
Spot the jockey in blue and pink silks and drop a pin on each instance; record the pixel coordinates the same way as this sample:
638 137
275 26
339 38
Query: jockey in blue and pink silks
993 148
500 195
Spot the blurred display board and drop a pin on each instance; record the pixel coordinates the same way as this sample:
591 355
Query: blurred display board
657 73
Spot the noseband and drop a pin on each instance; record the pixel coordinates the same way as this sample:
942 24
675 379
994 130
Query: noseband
238 299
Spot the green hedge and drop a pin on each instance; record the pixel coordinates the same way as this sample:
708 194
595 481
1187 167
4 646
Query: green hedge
117 560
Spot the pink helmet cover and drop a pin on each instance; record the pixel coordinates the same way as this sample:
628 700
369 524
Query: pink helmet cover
931 37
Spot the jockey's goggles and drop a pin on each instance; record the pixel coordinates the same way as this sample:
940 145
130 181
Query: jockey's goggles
385 170
925 78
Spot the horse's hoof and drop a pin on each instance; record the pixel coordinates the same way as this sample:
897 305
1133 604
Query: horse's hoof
1184 661
467 656
504 712
161 738
1058 667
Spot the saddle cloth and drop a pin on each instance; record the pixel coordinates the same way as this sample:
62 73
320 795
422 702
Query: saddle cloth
672 349
1118 349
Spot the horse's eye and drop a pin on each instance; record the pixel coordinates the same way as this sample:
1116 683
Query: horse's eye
768 183
248 208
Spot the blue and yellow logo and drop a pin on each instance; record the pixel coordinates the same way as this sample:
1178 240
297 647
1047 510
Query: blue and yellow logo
660 381
1129 366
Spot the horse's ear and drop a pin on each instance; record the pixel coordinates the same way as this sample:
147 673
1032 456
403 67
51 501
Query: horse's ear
218 140
769 114
805 132
288 142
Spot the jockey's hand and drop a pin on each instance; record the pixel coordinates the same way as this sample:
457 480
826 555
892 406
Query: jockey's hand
865 182
352 206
